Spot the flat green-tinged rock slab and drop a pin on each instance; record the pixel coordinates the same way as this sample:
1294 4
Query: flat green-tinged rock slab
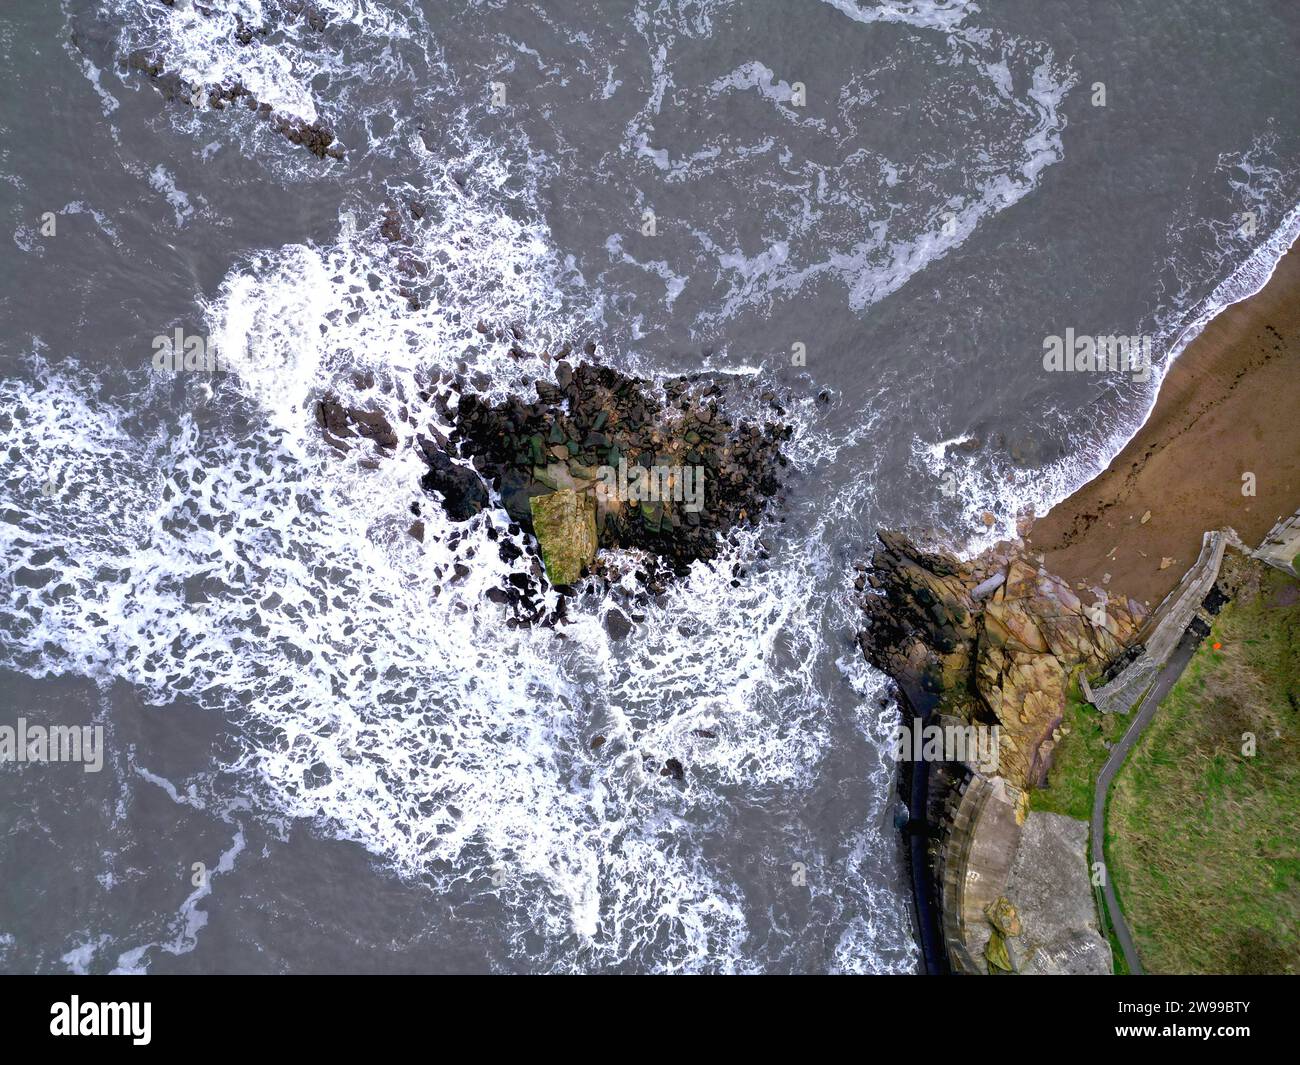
565 525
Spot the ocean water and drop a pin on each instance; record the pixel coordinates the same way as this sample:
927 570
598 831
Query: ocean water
324 750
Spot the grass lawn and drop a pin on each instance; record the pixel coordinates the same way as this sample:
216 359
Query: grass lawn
1203 840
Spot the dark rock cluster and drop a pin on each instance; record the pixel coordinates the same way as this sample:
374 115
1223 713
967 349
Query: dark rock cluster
397 228
312 15
463 494
316 137
923 618
589 417
339 424
593 417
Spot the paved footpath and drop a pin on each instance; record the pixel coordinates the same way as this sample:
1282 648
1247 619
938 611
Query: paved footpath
1165 680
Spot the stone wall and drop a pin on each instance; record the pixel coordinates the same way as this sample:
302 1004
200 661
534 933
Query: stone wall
1014 888
977 855
1282 545
1158 637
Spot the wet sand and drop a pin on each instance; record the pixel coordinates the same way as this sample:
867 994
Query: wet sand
1229 406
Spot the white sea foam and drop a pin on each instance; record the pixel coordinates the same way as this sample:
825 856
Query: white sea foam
928 14
190 919
300 72
260 575
107 101
271 581
163 182
382 698
868 221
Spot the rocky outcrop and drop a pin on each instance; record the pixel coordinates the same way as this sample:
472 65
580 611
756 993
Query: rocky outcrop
316 137
340 424
565 525
666 468
993 641
599 460
462 490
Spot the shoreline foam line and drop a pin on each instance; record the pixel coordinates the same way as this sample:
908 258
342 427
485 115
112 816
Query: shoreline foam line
1011 493
1251 272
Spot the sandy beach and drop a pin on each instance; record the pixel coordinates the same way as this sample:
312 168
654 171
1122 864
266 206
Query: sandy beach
1227 408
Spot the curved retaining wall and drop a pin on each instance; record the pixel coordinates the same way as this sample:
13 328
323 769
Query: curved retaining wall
975 866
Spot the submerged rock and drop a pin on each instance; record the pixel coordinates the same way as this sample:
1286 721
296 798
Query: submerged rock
316 137
617 624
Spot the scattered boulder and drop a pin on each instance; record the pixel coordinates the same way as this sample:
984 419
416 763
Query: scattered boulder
463 492
617 624
1003 917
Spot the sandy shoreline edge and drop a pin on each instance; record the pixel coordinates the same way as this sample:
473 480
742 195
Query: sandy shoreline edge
1220 447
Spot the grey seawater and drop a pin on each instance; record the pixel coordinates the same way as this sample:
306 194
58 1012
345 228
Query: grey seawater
322 753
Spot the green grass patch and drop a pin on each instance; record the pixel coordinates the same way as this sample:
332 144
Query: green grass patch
1201 836
1078 758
